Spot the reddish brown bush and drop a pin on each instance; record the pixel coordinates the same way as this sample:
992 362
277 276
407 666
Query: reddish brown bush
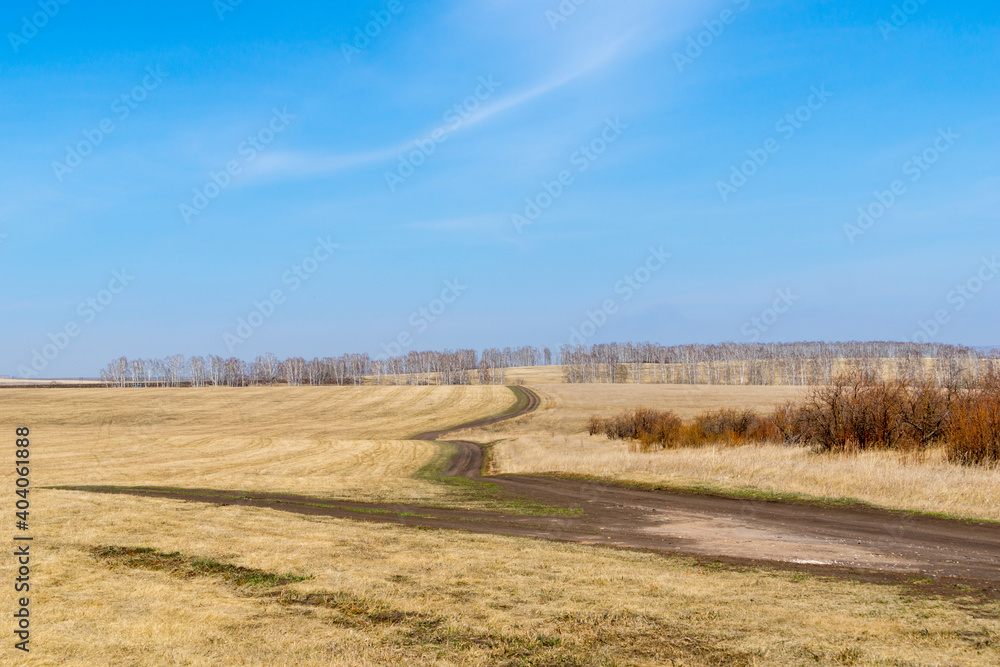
854 413
786 423
652 429
649 429
857 413
973 432
926 412
729 426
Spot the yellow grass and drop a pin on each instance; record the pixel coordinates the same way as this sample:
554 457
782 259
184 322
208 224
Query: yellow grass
332 441
22 382
567 404
479 600
882 478
534 375
555 440
415 597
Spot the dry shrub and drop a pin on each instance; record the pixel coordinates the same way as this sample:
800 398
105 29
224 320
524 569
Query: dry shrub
973 432
858 413
926 414
855 413
786 422
729 426
648 429
596 425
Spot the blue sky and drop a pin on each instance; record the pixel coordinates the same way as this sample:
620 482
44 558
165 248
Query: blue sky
642 107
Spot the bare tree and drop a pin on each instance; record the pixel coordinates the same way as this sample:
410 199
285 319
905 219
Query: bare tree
808 363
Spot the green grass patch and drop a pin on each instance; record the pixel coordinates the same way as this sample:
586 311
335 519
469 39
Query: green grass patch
365 510
465 493
178 564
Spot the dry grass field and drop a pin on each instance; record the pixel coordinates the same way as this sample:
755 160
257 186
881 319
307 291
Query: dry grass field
342 442
378 595
555 439
22 382
247 586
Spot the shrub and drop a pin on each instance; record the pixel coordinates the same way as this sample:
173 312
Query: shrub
787 423
649 429
926 413
596 425
858 413
729 426
855 413
973 432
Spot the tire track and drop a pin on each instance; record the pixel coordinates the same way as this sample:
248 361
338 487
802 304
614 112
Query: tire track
852 542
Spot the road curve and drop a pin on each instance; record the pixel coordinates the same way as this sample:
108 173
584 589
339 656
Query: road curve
854 542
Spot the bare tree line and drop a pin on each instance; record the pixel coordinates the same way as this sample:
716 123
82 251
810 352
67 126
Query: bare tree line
458 367
775 363
727 363
176 371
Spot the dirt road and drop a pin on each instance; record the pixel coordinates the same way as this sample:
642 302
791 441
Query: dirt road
854 542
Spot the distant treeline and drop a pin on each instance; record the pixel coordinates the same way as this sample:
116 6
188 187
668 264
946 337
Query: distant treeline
457 367
727 363
771 363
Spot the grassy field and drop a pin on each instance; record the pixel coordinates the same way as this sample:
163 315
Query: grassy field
555 440
343 442
196 584
363 594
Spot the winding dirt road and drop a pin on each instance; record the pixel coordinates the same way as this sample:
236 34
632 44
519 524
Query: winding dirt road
853 542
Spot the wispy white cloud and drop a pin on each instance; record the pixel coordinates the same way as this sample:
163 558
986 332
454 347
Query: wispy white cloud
298 164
